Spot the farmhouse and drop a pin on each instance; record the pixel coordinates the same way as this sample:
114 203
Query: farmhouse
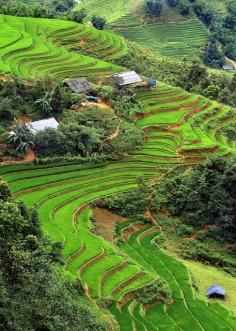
41 125
79 85
215 291
126 78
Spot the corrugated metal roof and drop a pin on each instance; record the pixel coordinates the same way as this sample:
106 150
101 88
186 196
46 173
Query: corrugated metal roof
41 125
79 85
127 78
215 289
228 67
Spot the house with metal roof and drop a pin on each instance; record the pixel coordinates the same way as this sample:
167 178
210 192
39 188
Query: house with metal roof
228 68
126 78
41 125
79 85
215 291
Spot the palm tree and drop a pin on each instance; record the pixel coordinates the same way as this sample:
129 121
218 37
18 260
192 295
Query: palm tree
45 103
22 138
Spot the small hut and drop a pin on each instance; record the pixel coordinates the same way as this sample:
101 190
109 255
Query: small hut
41 125
216 292
79 85
126 78
228 68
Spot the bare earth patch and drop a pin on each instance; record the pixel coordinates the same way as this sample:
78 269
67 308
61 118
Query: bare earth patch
105 223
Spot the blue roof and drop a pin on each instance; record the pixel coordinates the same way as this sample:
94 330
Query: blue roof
215 289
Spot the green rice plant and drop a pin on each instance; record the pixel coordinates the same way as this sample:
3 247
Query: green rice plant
34 48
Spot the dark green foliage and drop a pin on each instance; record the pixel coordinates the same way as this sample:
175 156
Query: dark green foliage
38 8
154 7
173 3
212 56
222 28
98 22
87 133
37 99
21 138
63 5
205 195
159 241
158 290
78 15
199 251
132 203
205 11
184 7
5 193
33 296
19 8
6 111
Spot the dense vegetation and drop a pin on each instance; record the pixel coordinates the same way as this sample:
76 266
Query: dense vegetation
33 294
89 133
222 30
205 195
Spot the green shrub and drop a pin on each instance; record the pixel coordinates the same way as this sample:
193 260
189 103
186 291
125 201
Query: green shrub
158 290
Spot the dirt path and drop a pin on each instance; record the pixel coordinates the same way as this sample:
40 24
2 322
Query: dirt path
232 62
113 135
30 156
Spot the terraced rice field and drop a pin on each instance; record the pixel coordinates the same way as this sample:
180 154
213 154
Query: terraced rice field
181 128
34 48
111 10
185 312
175 39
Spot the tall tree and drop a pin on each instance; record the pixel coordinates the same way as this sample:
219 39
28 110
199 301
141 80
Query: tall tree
154 7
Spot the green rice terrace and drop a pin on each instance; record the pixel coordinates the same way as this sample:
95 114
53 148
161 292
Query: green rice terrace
33 48
172 39
172 34
180 129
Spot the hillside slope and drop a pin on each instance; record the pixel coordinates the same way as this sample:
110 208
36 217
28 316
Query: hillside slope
172 34
33 48
63 193
180 129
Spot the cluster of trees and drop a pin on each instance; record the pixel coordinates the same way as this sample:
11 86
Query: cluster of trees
37 99
154 8
91 132
33 295
202 196
55 9
222 27
98 22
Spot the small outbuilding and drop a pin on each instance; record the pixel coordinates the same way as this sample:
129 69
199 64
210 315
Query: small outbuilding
41 125
79 85
152 82
126 78
215 291
228 68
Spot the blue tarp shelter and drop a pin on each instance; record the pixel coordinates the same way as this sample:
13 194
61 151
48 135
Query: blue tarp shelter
152 82
215 291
